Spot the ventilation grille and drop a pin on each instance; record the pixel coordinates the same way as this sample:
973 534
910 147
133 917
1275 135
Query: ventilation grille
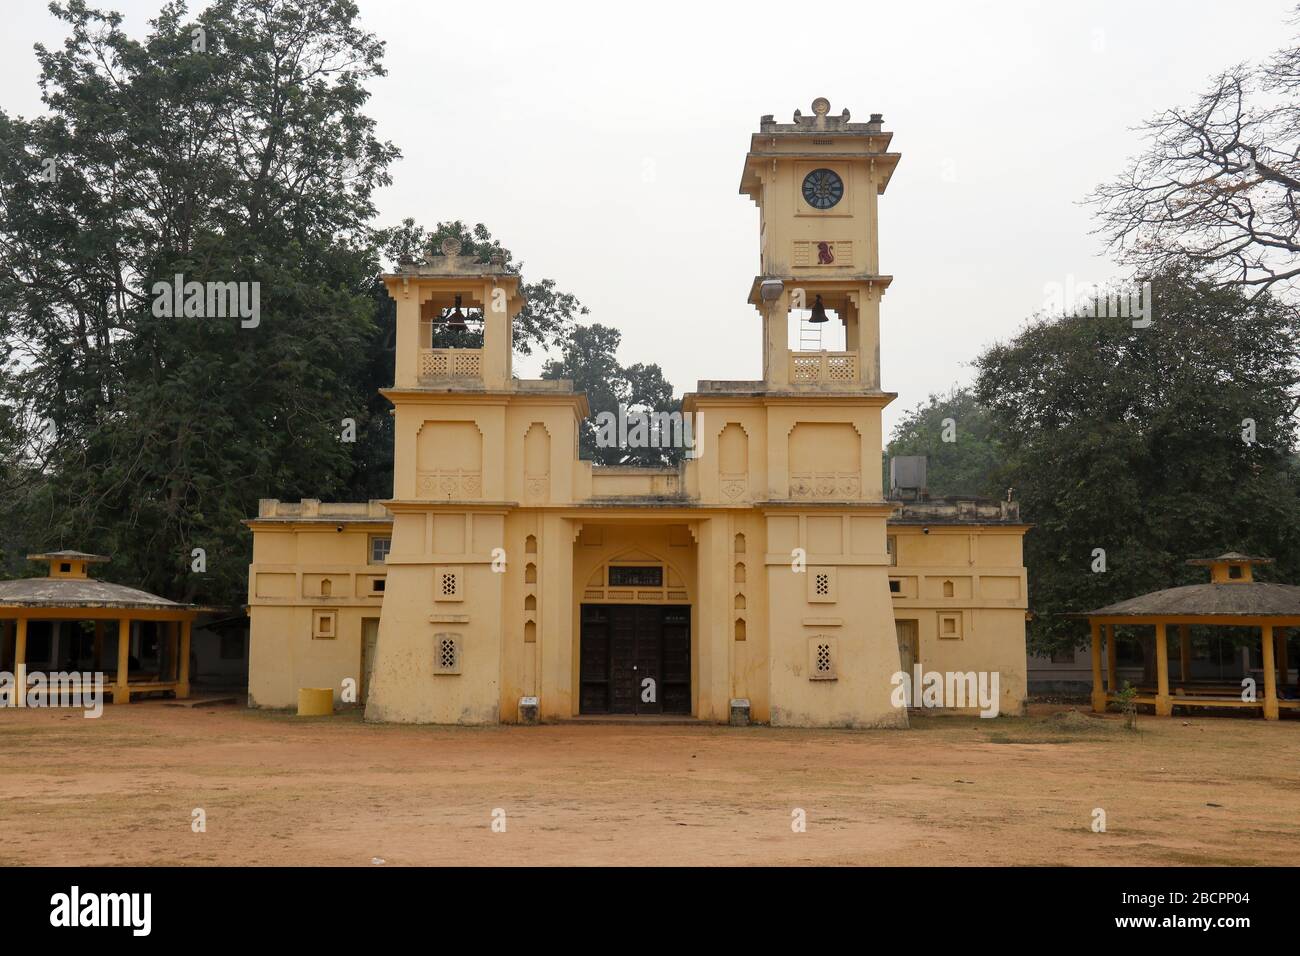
446 654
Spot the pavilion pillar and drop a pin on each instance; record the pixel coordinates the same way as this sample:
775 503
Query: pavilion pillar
1112 669
121 693
183 685
1270 675
1184 652
1098 693
20 660
6 645
1164 704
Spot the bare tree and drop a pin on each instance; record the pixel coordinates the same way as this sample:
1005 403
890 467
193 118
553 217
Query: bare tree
1218 183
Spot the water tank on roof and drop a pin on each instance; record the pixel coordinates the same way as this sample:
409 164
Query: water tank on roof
907 473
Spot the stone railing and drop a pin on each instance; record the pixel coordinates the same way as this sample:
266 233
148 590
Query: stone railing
823 368
437 364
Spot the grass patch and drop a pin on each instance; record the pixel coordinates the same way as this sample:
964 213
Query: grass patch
1067 727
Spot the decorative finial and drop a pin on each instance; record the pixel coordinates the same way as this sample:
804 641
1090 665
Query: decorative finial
450 246
821 106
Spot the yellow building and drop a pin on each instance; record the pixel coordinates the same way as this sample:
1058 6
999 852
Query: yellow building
508 580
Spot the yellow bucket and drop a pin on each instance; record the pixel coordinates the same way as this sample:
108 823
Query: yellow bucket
315 701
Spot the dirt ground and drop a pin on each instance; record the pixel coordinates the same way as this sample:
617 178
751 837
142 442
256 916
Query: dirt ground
277 789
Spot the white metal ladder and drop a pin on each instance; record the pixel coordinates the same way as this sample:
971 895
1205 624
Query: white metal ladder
810 335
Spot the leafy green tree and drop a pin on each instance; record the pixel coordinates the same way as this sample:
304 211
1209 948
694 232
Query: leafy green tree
230 146
589 357
966 465
1131 440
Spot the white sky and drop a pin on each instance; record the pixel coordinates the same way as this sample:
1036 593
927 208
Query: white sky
603 144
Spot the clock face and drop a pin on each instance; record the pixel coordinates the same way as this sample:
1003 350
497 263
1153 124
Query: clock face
822 188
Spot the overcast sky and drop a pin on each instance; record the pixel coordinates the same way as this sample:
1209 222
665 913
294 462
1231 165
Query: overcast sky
603 144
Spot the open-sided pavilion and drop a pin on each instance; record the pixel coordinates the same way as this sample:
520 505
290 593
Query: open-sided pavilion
123 618
1232 598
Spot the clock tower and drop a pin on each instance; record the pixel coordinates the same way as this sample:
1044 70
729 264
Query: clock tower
816 181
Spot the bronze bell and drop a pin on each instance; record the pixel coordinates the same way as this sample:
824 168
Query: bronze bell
456 318
818 311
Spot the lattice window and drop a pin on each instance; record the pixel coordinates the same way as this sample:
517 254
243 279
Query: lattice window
446 653
821 658
643 576
447 583
821 586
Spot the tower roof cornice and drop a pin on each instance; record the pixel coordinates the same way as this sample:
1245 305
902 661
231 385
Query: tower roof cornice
820 136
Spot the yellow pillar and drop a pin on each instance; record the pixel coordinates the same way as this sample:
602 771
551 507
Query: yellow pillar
1164 705
20 660
1112 668
1270 676
1184 652
1098 693
183 688
121 694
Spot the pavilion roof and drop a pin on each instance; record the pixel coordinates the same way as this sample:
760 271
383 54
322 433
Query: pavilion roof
79 592
68 556
1239 599
1230 557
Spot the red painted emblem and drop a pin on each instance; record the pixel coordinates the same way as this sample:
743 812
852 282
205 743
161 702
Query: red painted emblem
824 255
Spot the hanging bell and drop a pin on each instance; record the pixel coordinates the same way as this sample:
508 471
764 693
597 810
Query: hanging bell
818 311
456 318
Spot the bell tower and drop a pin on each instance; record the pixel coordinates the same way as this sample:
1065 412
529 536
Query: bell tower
816 181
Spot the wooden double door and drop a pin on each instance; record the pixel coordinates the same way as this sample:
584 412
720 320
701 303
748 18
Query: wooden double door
635 659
